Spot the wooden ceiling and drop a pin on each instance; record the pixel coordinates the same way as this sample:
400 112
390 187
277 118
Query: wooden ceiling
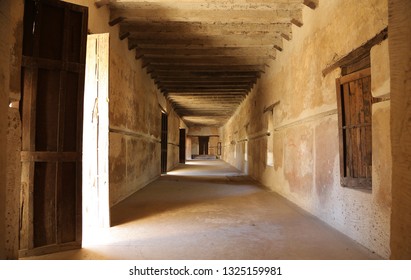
206 55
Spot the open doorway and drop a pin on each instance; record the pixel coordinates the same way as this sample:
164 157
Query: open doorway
96 206
164 142
182 146
203 144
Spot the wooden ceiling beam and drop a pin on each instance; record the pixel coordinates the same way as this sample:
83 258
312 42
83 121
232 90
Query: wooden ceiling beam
206 68
261 51
206 41
208 90
205 6
177 88
167 80
311 3
200 83
205 1
197 100
246 60
166 74
206 94
216 28
210 16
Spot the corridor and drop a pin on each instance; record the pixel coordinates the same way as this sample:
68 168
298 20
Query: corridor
209 210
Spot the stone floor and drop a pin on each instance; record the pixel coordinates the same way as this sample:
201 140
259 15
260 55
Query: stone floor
208 210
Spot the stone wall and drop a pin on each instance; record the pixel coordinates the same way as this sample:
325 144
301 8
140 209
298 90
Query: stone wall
293 148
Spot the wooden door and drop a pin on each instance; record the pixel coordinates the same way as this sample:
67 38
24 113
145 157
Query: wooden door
53 84
164 144
355 128
182 145
96 205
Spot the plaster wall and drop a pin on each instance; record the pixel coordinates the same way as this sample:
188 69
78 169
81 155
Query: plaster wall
293 149
135 106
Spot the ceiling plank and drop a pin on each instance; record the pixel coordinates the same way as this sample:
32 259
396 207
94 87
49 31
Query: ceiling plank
206 41
206 68
207 6
224 60
261 51
205 56
215 28
222 16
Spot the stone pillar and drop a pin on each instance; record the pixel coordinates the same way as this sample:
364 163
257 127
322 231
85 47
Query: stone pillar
399 29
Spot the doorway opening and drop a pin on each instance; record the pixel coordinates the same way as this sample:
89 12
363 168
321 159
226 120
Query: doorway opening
182 146
203 144
164 139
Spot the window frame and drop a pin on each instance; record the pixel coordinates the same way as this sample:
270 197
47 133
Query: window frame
345 179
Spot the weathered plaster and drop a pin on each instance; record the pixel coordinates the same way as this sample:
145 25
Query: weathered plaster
380 70
305 136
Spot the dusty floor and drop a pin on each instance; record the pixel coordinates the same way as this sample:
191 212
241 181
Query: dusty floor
207 210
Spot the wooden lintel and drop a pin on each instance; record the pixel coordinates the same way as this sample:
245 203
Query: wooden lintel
357 53
116 20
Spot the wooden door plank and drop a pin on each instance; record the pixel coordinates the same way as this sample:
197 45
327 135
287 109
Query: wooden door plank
368 120
347 122
28 144
341 132
49 156
355 114
52 169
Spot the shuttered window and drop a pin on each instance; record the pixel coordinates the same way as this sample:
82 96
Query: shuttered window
355 130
